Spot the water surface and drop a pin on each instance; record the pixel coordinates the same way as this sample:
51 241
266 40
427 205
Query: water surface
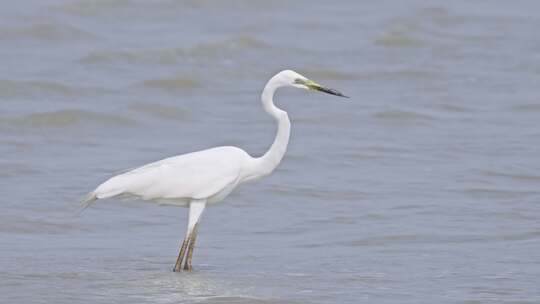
424 188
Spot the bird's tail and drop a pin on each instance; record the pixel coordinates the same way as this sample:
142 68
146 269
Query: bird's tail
88 200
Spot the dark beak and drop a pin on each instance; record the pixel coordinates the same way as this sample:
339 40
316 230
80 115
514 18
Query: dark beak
329 91
312 85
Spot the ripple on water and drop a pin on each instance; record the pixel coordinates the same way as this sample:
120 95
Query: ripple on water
17 224
173 83
515 176
166 56
155 9
422 28
399 33
350 195
398 37
415 239
240 300
94 8
162 111
232 4
64 118
17 169
10 89
405 74
525 108
14 88
45 32
402 117
496 193
452 108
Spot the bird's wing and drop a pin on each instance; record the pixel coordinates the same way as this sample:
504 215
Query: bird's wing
196 175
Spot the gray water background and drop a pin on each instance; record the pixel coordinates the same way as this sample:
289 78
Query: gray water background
424 188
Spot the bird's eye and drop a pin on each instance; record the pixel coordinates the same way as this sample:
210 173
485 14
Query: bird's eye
299 81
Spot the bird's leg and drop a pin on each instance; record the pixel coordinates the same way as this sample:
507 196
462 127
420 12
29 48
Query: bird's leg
183 262
178 265
193 238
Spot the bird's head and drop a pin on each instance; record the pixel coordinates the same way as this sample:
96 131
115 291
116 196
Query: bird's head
291 78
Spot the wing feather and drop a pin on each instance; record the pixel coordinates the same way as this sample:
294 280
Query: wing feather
196 175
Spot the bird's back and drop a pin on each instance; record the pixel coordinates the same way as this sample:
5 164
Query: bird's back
197 175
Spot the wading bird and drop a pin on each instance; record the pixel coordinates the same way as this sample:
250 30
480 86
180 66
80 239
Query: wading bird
206 177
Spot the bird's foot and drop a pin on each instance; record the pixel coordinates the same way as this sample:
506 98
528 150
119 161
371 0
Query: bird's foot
185 268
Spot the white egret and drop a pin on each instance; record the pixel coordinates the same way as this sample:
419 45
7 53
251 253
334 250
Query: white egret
206 177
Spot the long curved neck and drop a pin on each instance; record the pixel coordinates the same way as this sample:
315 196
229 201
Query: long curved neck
271 159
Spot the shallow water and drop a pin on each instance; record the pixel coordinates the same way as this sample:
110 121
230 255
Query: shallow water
424 188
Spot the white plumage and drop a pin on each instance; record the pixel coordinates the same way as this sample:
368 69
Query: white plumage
207 176
176 180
